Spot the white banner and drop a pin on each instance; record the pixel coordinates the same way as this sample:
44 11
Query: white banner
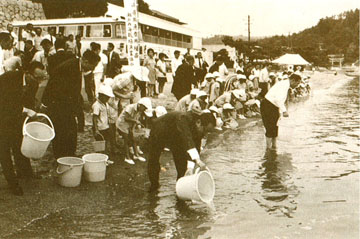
132 32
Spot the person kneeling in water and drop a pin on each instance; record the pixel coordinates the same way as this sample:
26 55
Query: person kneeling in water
181 133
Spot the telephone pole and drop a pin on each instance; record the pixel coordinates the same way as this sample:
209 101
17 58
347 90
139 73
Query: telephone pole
249 28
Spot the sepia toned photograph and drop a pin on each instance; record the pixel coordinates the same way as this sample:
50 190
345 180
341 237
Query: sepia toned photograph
179 119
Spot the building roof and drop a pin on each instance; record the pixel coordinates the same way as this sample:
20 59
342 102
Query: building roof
291 59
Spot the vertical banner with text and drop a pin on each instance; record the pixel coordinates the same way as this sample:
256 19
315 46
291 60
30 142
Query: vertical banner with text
132 32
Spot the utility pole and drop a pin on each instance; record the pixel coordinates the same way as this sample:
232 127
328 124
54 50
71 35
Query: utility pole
249 28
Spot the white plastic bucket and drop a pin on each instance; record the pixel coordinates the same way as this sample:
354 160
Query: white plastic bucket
198 187
95 167
36 138
69 171
99 146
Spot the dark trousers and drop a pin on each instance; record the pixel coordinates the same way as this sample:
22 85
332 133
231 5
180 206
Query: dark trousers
142 86
65 141
80 115
270 116
12 143
90 87
264 88
180 158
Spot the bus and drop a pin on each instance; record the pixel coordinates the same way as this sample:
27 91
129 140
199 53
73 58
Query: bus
161 35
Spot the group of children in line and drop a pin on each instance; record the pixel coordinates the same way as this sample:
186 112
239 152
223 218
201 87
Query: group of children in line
228 100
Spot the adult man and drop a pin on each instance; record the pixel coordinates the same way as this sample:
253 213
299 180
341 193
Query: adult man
17 96
100 69
200 67
176 62
182 134
38 38
29 33
184 78
10 30
62 95
51 35
216 65
6 43
29 52
114 65
43 55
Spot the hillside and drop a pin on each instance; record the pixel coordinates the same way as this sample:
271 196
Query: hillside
332 35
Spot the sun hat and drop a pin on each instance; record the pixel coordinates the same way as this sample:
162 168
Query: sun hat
240 76
147 103
216 74
160 111
194 91
209 75
106 90
251 77
141 73
200 93
272 74
214 108
228 106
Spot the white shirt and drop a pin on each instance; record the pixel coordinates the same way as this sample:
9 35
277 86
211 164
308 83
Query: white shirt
223 71
40 57
264 75
101 110
175 63
162 66
100 66
50 38
278 93
28 36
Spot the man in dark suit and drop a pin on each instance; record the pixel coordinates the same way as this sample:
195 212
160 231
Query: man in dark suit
114 64
184 78
17 97
61 97
200 67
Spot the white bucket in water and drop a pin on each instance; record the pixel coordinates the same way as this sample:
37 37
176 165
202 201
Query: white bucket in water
37 137
95 167
198 187
69 171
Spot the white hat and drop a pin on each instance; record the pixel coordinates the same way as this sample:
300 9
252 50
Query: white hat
216 74
206 111
106 90
214 108
141 73
285 76
201 93
147 103
228 106
194 91
251 77
109 81
209 75
240 76
271 74
160 111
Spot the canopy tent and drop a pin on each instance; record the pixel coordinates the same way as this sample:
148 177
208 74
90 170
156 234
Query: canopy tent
291 59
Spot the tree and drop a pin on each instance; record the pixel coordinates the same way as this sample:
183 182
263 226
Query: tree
73 8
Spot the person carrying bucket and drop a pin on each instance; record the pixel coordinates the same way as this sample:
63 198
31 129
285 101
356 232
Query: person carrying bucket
17 97
101 116
181 133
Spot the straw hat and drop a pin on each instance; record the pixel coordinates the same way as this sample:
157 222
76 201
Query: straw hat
106 90
228 106
147 103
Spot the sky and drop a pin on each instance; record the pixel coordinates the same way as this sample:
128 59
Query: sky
267 17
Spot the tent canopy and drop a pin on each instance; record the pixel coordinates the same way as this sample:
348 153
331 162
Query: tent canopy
291 59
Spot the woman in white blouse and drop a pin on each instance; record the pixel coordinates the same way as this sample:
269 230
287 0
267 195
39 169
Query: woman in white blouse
161 73
273 106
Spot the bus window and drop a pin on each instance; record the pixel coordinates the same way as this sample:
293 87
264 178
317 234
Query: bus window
70 30
107 31
141 50
94 30
80 30
120 30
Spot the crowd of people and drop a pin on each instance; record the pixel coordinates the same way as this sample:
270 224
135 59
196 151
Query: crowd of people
209 96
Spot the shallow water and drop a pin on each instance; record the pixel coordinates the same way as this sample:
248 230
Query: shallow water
309 188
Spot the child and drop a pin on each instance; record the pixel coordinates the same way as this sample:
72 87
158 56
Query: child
101 114
229 116
215 111
127 121
205 85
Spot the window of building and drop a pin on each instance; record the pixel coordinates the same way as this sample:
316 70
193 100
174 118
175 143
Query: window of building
120 30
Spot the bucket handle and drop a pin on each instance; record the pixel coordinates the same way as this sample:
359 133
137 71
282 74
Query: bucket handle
66 170
38 114
101 137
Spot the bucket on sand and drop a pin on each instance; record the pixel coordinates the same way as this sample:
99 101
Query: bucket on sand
36 138
99 145
95 167
69 171
198 187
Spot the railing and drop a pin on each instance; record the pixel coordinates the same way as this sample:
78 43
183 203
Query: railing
165 41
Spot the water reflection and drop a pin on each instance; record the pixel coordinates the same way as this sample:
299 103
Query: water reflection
277 185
